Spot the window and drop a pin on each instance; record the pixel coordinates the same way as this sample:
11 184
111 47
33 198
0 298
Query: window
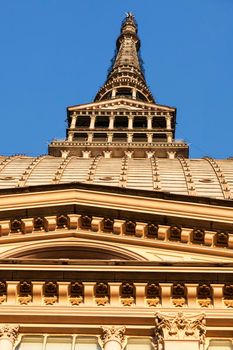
80 136
69 342
159 122
120 137
31 342
139 137
100 137
83 121
102 122
141 97
140 122
139 344
160 138
220 344
86 343
121 122
124 92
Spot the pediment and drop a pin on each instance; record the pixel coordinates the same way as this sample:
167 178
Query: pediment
79 245
79 213
119 103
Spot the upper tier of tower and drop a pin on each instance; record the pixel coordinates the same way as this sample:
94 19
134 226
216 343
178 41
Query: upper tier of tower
123 120
126 76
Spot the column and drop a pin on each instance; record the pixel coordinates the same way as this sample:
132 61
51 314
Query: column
134 94
149 137
90 137
113 93
70 136
180 332
168 121
169 137
130 122
92 123
73 120
8 336
113 338
110 136
111 122
149 122
130 137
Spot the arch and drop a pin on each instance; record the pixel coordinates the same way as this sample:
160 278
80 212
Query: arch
71 249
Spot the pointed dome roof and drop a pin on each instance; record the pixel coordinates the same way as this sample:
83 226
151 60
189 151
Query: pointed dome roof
126 75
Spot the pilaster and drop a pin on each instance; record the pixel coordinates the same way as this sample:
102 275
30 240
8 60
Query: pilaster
179 332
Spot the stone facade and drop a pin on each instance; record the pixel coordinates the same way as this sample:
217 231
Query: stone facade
116 240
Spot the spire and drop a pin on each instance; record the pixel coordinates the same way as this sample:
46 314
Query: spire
126 75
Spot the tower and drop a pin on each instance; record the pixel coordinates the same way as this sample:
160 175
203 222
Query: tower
124 119
112 243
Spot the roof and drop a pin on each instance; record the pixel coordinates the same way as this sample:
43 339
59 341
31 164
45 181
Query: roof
195 177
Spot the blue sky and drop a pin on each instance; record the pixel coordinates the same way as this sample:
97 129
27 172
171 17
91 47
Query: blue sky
55 53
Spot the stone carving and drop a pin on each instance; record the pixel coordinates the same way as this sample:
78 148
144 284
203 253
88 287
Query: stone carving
50 300
153 294
25 299
113 334
179 302
2 298
205 302
127 301
2 292
204 295
101 301
76 300
25 293
127 291
101 294
9 332
51 293
179 327
178 295
153 301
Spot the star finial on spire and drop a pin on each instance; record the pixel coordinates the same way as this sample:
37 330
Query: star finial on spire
129 15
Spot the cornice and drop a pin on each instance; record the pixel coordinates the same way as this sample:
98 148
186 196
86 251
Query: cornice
185 209
117 101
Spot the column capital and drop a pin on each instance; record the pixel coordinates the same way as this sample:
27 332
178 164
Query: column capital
113 333
180 327
9 332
